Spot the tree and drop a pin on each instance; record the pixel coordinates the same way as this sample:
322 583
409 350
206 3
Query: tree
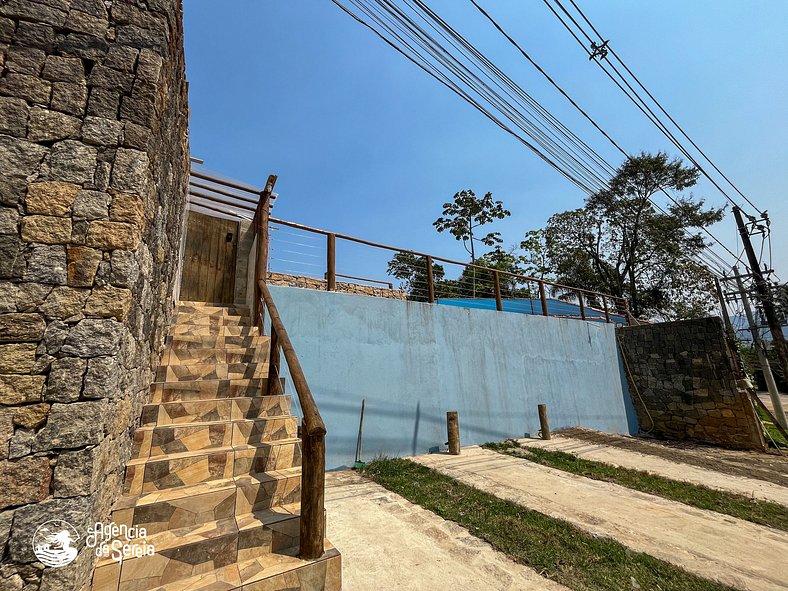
412 271
620 244
465 214
536 257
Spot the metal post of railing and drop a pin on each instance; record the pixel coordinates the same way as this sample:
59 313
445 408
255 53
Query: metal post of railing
607 310
430 281
543 297
497 285
331 262
580 299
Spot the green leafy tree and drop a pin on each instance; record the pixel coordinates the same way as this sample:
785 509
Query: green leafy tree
620 244
411 270
463 216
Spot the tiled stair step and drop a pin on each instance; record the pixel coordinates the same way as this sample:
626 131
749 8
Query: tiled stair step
217 318
217 342
183 553
211 371
196 390
204 307
199 356
210 411
209 501
208 330
169 439
146 475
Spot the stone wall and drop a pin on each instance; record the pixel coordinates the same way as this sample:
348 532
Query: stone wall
94 161
343 287
685 385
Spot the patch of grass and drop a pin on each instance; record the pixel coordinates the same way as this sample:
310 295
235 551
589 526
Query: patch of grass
554 548
702 497
776 438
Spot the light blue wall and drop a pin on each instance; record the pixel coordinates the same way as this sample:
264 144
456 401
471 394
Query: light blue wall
412 362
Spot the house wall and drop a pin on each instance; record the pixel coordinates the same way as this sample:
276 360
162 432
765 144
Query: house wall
413 362
94 160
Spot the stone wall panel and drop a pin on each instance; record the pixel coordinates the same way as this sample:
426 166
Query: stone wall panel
94 154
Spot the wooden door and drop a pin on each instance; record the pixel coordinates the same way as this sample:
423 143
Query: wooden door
209 259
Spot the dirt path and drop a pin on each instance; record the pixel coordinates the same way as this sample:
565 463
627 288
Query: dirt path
388 544
750 464
616 456
718 547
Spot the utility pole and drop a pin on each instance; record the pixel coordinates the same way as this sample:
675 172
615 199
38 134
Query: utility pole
778 340
771 385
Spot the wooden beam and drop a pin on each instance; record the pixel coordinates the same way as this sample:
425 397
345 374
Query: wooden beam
331 262
543 297
543 424
430 281
453 427
497 284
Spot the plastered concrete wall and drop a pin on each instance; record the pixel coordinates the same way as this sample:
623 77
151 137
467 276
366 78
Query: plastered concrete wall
412 362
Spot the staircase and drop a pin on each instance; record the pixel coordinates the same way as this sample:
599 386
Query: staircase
215 474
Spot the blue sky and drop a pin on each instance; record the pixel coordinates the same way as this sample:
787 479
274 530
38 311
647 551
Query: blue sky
366 144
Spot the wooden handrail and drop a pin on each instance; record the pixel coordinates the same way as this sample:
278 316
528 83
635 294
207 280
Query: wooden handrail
297 226
313 422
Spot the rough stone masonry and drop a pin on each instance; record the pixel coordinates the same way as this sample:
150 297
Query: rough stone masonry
93 173
684 383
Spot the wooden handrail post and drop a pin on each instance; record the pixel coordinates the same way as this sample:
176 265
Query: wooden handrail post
581 300
543 297
272 386
331 262
627 315
607 310
497 285
261 219
430 281
313 492
544 426
453 428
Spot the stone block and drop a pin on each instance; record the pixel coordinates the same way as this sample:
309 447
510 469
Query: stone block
25 86
73 425
21 327
135 136
19 389
8 292
51 198
25 60
17 358
54 336
92 205
73 162
46 229
31 416
82 22
20 158
32 34
80 472
69 97
11 264
113 235
29 296
7 27
13 116
93 338
9 218
51 13
102 379
130 171
101 132
46 126
138 108
127 208
64 302
46 264
77 511
104 77
65 380
109 302
24 481
125 269
85 46
92 7
63 69
103 103
82 265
